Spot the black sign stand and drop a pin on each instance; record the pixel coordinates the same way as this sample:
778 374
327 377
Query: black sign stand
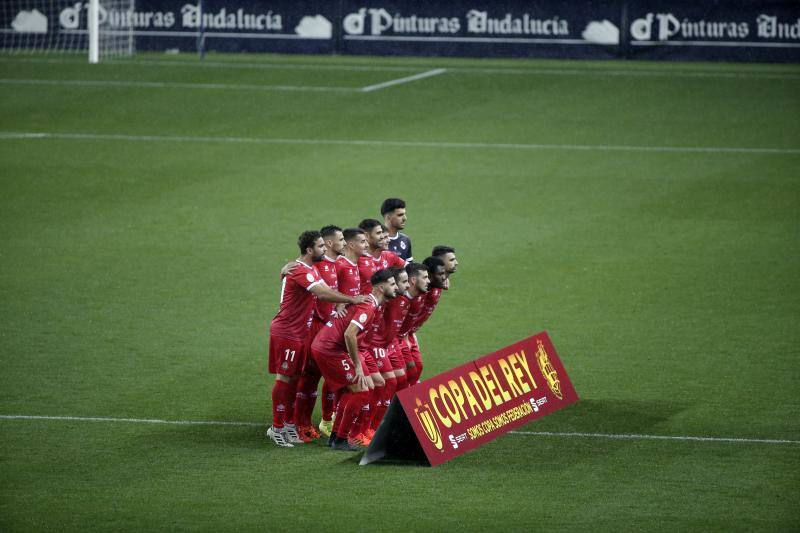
395 439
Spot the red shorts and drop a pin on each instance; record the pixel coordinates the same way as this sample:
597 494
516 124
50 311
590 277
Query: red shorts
286 356
382 361
310 367
405 350
415 355
396 356
336 368
368 363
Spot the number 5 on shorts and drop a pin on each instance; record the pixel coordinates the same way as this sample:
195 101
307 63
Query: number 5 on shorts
345 364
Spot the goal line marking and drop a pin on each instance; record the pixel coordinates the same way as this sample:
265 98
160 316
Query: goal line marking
14 135
621 436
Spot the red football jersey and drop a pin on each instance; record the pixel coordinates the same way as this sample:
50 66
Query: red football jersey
429 304
297 304
368 342
368 265
414 312
394 314
348 277
330 338
327 271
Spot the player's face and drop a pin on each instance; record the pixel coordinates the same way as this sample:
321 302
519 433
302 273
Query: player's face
450 262
402 282
397 218
439 277
389 289
374 237
423 281
385 240
336 243
318 250
359 245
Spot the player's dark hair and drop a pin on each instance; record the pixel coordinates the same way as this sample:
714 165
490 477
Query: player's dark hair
368 224
433 262
329 231
307 240
441 250
381 276
390 204
351 233
396 271
413 269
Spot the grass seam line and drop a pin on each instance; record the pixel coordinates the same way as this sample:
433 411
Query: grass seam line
11 135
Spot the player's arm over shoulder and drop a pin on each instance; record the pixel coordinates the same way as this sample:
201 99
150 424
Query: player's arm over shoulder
326 294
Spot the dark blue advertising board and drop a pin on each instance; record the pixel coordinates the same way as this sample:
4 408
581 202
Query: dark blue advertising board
647 29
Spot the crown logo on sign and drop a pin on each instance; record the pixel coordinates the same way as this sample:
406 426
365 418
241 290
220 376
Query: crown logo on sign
429 424
548 371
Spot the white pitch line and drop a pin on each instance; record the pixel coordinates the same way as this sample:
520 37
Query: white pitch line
531 71
132 420
407 79
11 135
172 85
623 436
633 436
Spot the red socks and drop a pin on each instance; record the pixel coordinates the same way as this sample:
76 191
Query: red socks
402 382
280 392
350 406
306 398
414 373
328 401
382 404
291 393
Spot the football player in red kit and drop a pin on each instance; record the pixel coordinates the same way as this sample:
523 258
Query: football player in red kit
414 280
288 331
310 376
336 352
422 310
378 256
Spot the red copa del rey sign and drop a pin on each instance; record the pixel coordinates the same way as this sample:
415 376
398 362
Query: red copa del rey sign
470 405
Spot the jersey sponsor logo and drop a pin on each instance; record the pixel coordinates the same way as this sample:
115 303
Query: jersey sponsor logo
549 373
310 277
362 318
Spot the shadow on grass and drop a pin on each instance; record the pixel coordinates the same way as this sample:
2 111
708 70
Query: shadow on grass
608 416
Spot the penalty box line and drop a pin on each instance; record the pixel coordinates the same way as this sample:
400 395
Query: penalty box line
613 436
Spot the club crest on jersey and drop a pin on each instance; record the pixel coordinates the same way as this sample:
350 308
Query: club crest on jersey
310 278
362 318
402 245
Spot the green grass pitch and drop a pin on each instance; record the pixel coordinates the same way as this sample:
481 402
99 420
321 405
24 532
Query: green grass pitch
139 270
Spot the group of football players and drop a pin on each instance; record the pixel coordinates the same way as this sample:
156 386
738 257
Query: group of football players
351 304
